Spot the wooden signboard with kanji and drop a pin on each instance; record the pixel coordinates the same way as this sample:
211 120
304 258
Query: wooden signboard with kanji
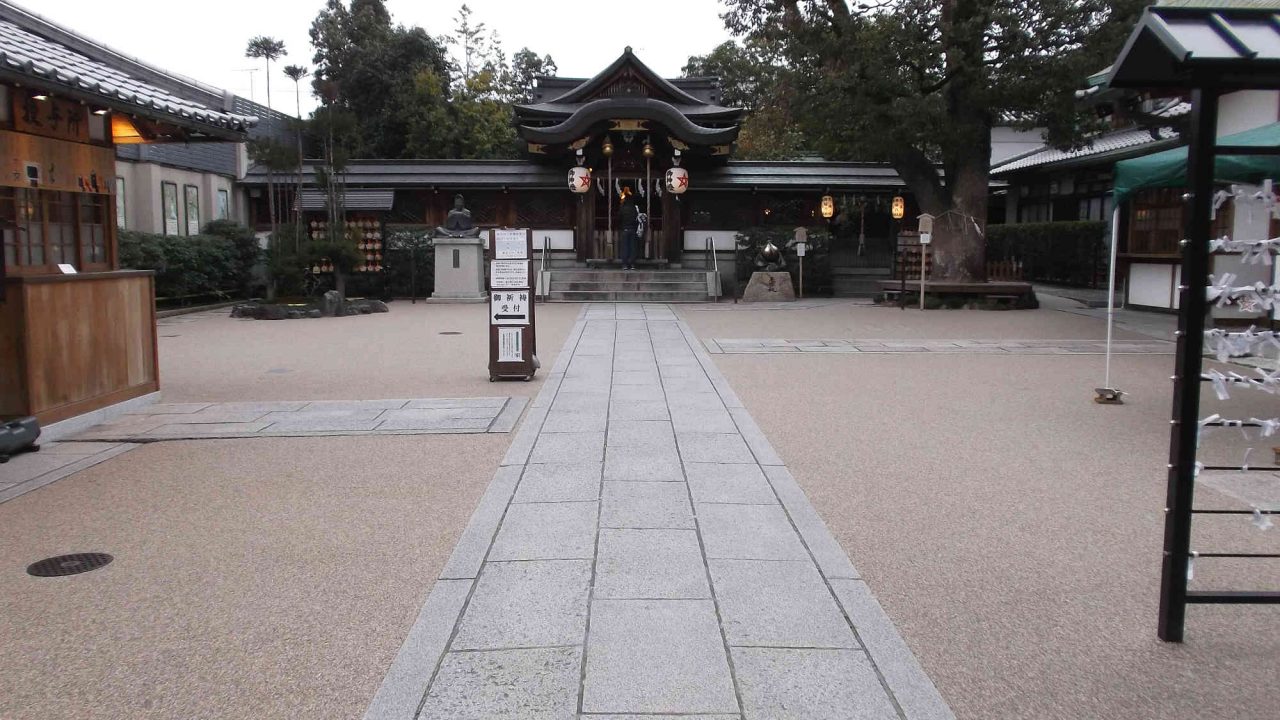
512 346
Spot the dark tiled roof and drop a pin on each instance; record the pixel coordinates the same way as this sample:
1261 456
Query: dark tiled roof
351 199
737 175
214 157
40 54
1107 147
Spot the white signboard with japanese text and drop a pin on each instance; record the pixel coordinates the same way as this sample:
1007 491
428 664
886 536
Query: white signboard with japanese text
509 274
510 244
510 307
510 344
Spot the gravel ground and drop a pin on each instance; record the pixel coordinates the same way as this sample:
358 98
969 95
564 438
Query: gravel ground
1011 527
212 357
264 578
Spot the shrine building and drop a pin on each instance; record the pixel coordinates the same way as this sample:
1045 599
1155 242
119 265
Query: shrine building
628 128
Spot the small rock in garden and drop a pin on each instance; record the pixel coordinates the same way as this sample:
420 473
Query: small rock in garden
331 303
295 314
314 313
272 312
378 306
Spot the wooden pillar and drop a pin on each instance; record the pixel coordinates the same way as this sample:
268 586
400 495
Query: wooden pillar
584 229
672 227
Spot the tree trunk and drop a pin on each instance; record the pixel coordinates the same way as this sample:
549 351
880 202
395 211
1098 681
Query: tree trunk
273 242
960 243
959 227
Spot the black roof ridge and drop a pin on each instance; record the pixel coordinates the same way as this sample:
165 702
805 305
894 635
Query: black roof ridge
627 57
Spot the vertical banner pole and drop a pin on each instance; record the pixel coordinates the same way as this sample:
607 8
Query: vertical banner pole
608 238
648 206
1185 425
1111 288
923 249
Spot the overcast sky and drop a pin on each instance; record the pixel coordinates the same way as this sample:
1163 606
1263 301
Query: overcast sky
583 36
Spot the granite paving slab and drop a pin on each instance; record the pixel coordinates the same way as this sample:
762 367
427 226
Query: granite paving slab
639 542
656 656
645 505
735 483
532 684
655 564
526 604
560 482
801 684
33 470
854 346
301 418
778 604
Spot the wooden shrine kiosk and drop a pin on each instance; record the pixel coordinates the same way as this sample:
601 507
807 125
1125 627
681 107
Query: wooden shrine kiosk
77 334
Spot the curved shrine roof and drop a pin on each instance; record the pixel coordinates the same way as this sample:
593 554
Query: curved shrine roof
569 109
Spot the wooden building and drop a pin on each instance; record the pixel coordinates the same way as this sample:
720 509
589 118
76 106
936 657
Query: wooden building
77 334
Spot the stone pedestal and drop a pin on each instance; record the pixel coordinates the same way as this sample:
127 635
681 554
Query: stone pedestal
769 287
459 270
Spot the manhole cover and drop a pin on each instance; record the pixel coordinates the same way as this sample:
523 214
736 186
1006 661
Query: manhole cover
68 564
450 332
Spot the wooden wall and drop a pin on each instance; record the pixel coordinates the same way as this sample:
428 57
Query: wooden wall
70 344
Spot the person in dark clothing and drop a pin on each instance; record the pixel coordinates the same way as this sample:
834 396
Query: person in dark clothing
629 217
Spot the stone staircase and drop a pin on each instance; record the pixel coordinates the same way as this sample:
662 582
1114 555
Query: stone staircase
858 282
587 285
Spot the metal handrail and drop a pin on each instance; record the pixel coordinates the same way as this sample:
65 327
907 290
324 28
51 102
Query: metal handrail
542 264
712 264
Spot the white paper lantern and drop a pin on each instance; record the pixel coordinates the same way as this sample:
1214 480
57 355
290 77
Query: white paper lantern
677 180
579 179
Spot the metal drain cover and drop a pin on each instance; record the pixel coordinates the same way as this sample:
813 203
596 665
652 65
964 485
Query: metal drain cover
450 332
68 564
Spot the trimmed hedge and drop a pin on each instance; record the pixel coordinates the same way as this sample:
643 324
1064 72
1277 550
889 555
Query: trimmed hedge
1065 253
193 265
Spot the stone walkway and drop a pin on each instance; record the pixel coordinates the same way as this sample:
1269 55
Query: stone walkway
643 551
899 345
181 421
56 460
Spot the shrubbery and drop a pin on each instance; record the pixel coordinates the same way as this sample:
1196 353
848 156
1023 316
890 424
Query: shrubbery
217 263
1066 253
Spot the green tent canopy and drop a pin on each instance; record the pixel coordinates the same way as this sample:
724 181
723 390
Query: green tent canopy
1169 168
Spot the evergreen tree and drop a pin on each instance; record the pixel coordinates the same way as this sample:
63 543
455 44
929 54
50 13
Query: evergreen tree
920 84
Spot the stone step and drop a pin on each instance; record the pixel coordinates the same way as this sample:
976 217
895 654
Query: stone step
609 275
630 285
856 272
855 287
627 296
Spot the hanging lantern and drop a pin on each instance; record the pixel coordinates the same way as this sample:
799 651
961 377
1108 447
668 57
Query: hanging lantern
828 206
648 150
607 148
899 207
579 179
677 180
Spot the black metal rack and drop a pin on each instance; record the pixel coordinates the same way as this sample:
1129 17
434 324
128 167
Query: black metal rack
1186 424
1208 51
